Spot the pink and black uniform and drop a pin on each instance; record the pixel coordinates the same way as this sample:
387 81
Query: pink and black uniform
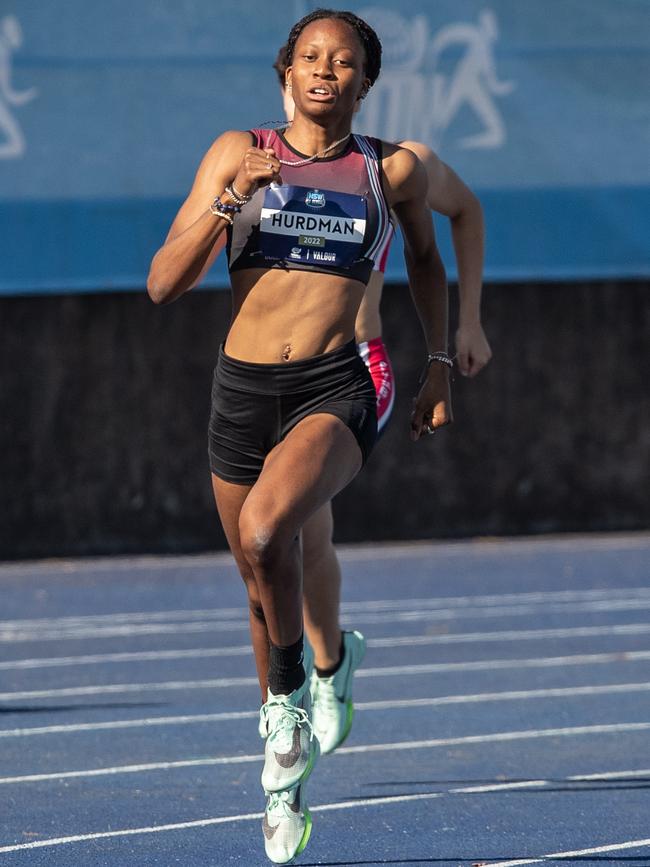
356 172
329 216
374 354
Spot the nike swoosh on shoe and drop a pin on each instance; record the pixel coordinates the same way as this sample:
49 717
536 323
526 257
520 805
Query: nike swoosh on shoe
269 830
288 760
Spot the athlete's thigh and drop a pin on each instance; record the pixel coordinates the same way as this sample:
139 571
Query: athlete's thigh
229 499
316 460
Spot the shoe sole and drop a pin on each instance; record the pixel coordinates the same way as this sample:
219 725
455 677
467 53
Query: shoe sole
306 834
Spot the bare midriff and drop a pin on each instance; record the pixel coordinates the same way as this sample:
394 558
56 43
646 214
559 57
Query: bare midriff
368 324
282 316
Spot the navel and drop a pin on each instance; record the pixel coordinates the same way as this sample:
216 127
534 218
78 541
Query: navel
286 352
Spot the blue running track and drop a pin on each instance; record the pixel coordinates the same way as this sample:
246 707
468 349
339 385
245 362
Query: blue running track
502 711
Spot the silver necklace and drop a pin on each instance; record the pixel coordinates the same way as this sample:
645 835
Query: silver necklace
315 156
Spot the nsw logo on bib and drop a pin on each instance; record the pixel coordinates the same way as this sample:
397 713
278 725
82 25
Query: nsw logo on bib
312 226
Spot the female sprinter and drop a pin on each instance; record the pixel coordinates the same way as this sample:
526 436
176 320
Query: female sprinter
293 405
337 654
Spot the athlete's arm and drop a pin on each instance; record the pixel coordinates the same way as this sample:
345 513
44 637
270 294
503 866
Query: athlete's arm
427 281
448 195
197 235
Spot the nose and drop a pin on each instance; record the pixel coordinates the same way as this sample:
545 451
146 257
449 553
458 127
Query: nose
324 68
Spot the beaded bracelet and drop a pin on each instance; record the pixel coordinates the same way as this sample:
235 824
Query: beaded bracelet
237 197
221 209
441 357
224 206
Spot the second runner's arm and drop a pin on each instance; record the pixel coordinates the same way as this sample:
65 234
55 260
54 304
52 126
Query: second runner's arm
427 282
450 196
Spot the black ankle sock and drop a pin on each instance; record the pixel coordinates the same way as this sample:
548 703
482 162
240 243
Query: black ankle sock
328 672
286 671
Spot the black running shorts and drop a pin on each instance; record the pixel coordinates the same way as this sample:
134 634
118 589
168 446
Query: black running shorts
254 406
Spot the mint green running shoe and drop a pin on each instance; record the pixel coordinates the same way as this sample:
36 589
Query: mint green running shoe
291 750
286 824
332 708
308 665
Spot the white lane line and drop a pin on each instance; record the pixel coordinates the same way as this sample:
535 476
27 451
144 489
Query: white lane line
129 688
390 641
497 737
510 695
577 853
501 664
609 775
126 631
130 832
511 635
321 808
393 704
537 597
184 614
384 671
124 617
605 606
146 722
134 656
378 611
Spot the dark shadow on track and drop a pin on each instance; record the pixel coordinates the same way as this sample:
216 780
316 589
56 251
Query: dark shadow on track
539 790
604 784
64 708
454 861
501 781
637 861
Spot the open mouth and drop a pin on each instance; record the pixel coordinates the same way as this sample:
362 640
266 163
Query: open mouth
320 93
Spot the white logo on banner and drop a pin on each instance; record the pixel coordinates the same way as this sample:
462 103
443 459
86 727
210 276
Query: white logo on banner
11 38
408 103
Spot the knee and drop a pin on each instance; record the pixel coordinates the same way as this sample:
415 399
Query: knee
263 540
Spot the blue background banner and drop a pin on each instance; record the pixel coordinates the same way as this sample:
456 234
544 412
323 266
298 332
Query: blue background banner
106 108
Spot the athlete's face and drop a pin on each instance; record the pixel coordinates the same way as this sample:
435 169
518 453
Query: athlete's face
328 71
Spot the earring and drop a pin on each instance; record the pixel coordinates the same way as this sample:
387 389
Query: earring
289 86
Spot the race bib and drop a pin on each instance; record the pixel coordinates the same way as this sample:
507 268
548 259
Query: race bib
312 226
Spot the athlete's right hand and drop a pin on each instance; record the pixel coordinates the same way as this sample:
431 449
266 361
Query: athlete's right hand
258 168
432 405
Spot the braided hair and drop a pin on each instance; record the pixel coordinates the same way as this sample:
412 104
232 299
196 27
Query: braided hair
365 34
